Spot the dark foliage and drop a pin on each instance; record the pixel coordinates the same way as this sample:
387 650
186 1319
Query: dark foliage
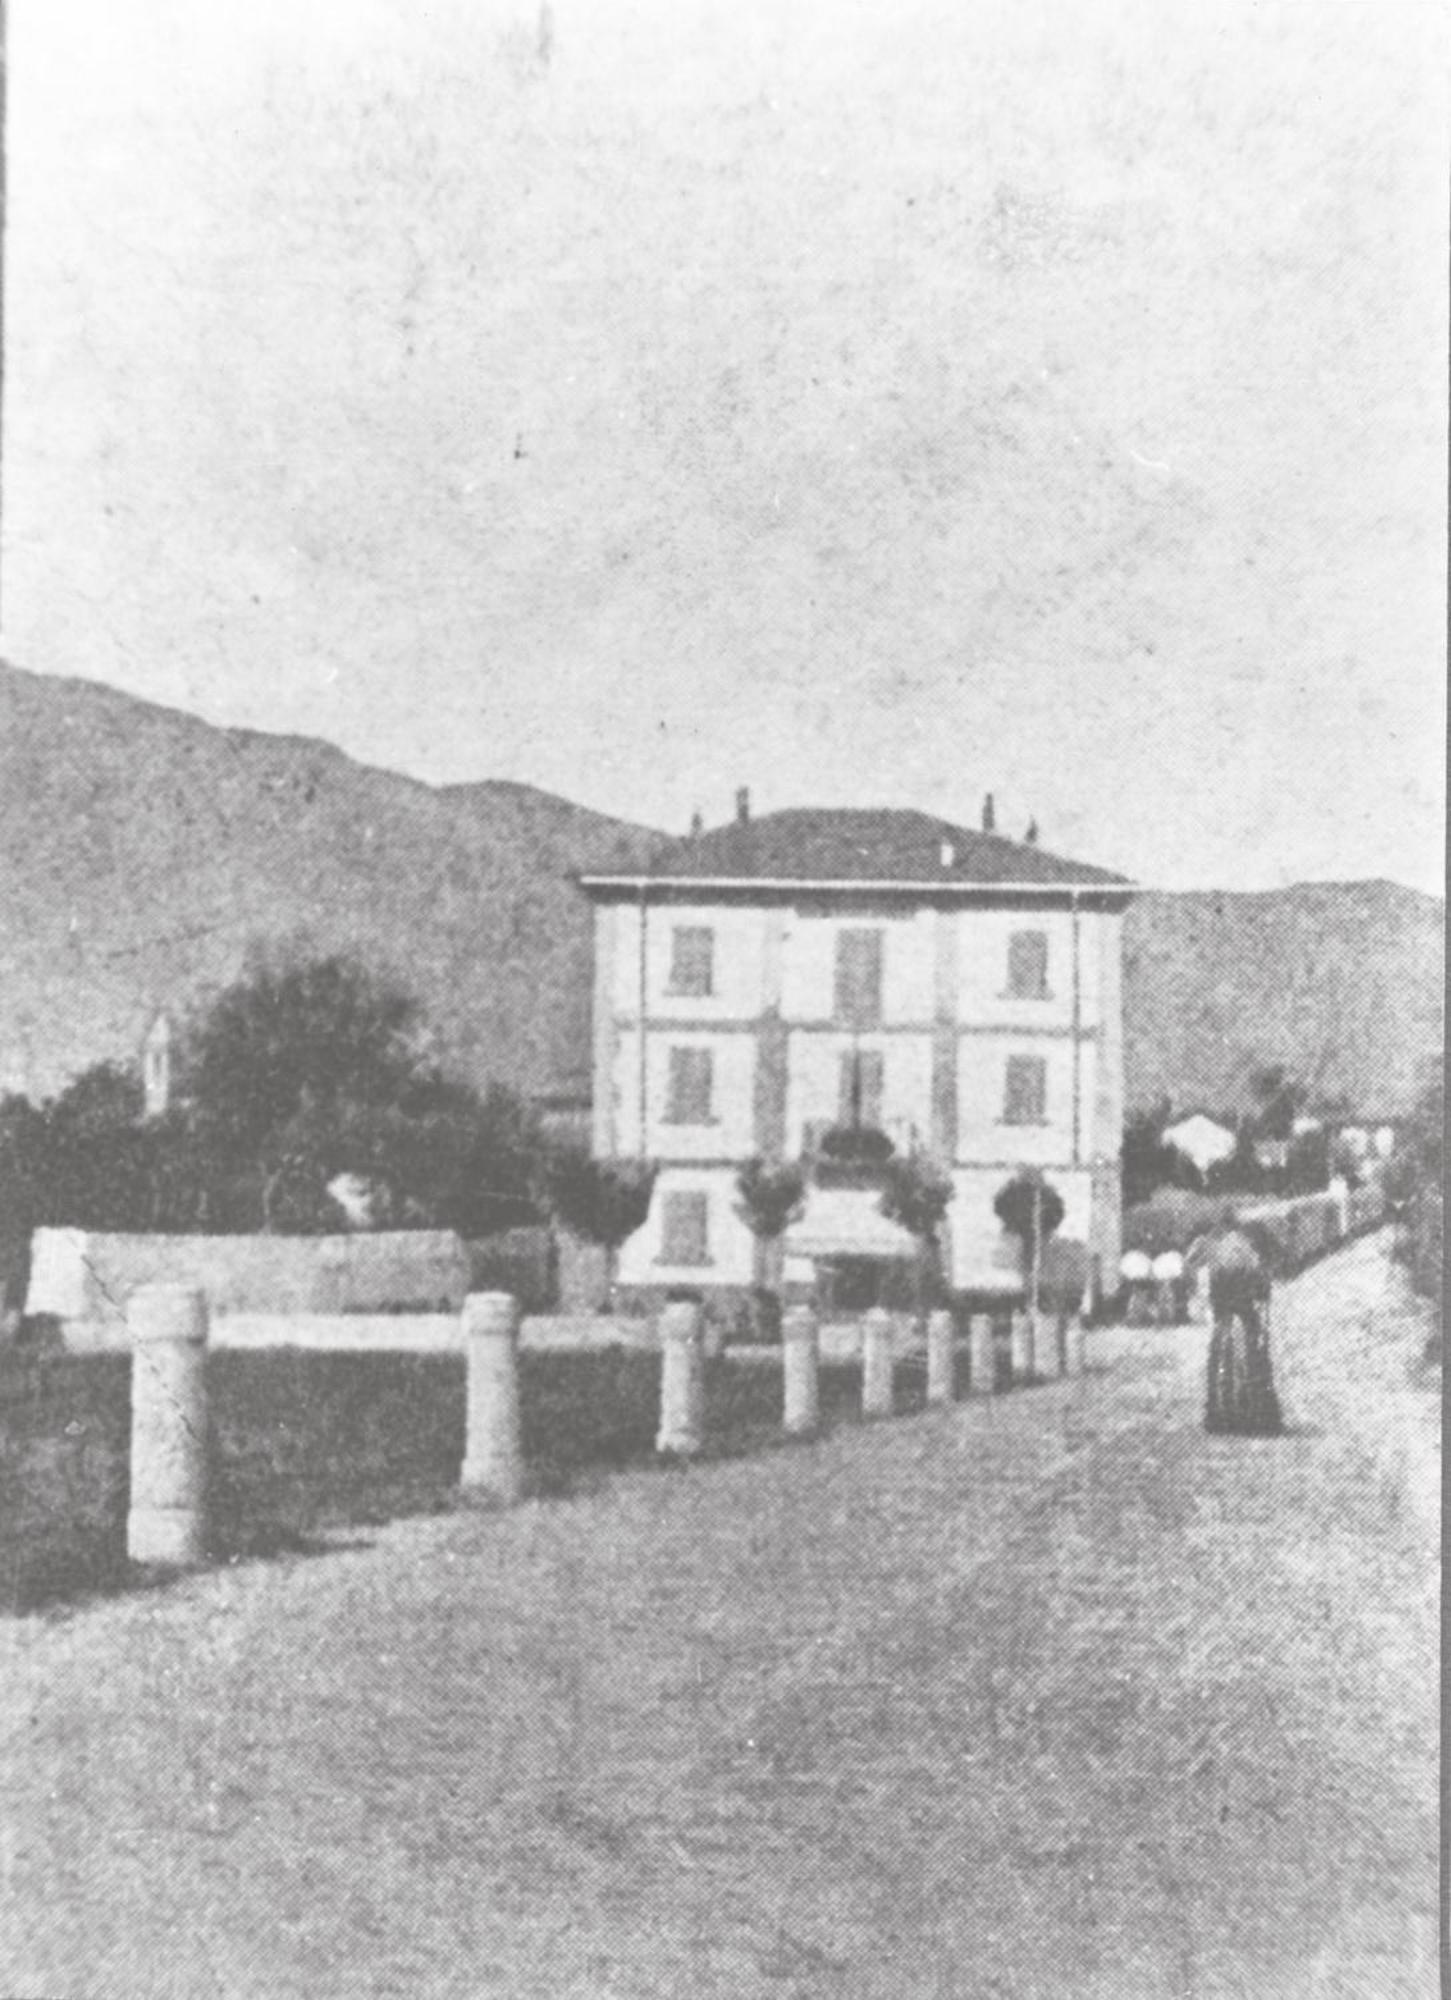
1147 1161
1029 1206
772 1194
1279 1099
320 1038
603 1201
856 1144
915 1195
293 1077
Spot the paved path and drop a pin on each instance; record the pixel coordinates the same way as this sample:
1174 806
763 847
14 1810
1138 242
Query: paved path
1056 1696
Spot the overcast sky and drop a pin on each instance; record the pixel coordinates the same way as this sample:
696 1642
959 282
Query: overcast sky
862 402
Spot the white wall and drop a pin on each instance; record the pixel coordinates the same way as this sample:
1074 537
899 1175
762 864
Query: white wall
982 1133
738 969
982 968
983 1256
732 1247
732 1132
809 965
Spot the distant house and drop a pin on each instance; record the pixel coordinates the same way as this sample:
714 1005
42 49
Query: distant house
1204 1141
782 986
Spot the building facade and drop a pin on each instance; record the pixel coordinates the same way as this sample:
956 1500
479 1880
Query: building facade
773 983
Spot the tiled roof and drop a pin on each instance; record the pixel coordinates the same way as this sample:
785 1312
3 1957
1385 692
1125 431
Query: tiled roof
859 845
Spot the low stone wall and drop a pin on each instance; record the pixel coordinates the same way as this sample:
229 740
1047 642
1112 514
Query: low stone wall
84 1279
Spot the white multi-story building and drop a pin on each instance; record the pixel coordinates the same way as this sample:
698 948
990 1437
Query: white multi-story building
768 981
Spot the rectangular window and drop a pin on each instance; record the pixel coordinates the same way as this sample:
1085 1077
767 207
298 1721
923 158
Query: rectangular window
860 1101
1028 965
685 1229
692 961
688 1102
1025 1099
859 978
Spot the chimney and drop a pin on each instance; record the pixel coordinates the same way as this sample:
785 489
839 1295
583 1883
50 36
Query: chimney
1030 838
743 806
989 816
697 825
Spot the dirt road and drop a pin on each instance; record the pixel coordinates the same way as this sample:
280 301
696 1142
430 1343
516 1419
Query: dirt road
1054 1696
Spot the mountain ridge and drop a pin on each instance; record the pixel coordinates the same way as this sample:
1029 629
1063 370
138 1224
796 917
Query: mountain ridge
145 852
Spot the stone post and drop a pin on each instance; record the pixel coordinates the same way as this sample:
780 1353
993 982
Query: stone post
982 1356
877 1359
1075 1346
1022 1338
941 1358
800 1364
493 1464
167 1520
682 1381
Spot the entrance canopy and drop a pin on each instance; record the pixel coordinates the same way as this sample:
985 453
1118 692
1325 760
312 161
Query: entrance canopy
847 1222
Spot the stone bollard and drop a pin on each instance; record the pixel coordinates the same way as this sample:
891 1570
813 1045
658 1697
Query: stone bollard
493 1464
941 1358
1022 1349
877 1360
167 1520
982 1356
800 1369
682 1380
1075 1346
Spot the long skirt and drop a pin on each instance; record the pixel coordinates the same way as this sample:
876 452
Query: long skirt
1241 1386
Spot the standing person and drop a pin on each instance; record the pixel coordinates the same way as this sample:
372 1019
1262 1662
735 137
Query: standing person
1241 1388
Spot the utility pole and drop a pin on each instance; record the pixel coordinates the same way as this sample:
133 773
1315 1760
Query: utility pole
1037 1262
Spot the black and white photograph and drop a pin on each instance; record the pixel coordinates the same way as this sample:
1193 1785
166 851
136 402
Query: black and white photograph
722 899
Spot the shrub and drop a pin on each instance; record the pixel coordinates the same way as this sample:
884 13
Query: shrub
859 1145
603 1201
1172 1220
1027 1206
771 1195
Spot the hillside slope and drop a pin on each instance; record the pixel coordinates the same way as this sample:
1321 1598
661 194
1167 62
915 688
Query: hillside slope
143 852
1339 981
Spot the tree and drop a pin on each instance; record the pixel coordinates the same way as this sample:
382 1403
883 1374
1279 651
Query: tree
93 1161
772 1195
317 1037
1030 1208
602 1201
1146 1162
1241 1173
1279 1098
293 1077
915 1195
302 1073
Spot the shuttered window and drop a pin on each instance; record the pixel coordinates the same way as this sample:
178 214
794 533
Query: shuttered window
692 961
688 1102
685 1228
1025 1095
1028 965
859 978
861 1089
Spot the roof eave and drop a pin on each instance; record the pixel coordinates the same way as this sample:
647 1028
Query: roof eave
837 885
